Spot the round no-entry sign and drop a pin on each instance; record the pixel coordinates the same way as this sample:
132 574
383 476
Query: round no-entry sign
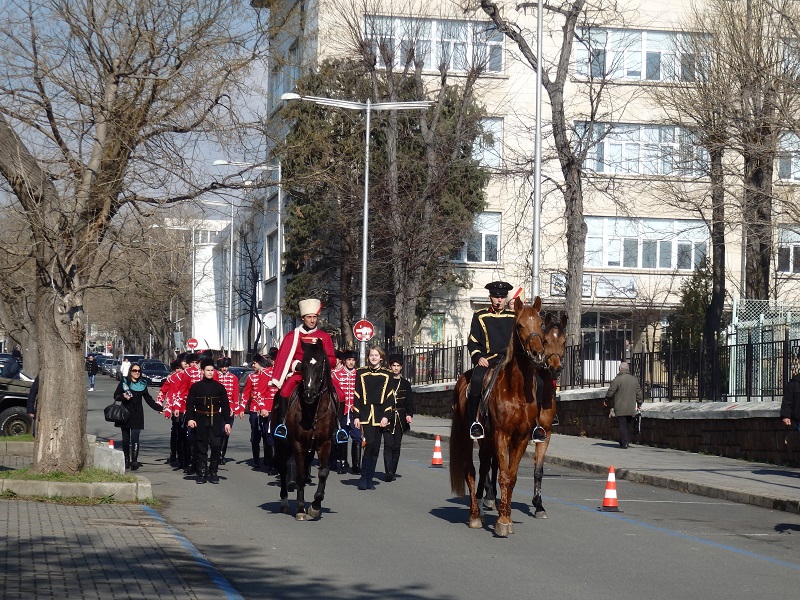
363 330
192 343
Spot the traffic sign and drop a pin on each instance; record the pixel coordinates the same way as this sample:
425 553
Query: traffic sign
192 343
363 330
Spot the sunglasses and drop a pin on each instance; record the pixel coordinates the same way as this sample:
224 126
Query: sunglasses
136 370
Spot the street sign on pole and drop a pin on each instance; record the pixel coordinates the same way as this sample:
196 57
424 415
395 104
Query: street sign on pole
191 343
363 330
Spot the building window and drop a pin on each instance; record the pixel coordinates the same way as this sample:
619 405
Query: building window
205 236
455 44
483 244
645 150
437 327
621 53
488 146
664 244
788 250
272 255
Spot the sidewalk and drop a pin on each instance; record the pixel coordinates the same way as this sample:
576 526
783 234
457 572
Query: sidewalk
760 484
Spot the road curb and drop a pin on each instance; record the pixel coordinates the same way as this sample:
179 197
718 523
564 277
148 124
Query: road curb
141 489
786 504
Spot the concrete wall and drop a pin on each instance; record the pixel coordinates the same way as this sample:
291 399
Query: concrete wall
750 431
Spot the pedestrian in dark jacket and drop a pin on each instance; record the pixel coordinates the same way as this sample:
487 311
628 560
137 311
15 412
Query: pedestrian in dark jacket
131 391
625 397
92 369
400 421
790 407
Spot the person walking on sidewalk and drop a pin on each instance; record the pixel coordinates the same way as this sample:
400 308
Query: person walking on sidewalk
91 370
373 406
790 407
400 420
624 395
131 391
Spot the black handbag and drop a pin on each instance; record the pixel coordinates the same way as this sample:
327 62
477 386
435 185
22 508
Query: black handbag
116 413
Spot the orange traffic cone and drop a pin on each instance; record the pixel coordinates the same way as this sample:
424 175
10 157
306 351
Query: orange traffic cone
610 499
436 461
111 444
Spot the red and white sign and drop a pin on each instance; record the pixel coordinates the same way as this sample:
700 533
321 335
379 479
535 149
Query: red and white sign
363 330
192 343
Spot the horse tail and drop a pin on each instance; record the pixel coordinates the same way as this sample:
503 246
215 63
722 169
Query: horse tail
460 442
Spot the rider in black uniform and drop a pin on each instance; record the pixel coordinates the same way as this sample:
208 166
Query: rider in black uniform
489 336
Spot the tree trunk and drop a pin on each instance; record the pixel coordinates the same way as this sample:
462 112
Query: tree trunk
715 308
758 224
61 408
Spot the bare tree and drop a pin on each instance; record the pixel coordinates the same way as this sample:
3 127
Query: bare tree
101 109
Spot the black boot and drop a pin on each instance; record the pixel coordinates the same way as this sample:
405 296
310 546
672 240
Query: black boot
269 459
256 446
126 450
135 464
341 464
355 456
367 473
476 429
224 449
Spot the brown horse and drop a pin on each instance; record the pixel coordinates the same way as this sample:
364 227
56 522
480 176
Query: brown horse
555 339
310 424
512 416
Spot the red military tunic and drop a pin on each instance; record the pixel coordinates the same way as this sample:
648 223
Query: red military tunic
346 380
258 394
231 384
290 354
173 401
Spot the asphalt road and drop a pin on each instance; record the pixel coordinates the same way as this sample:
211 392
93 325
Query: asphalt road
408 539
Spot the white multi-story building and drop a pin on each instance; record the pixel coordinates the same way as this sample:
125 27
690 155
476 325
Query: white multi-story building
642 243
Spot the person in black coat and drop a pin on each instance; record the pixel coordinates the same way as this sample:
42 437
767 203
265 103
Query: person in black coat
790 407
400 421
131 391
209 415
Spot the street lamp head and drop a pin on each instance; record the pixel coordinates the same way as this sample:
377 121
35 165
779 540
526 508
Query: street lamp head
221 162
287 96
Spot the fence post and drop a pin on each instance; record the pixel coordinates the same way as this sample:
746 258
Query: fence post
670 372
748 367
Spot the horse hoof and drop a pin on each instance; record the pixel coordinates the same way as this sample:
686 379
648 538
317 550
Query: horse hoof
502 529
475 523
539 514
301 517
488 505
285 507
313 512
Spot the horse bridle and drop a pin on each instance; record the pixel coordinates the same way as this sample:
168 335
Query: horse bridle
524 343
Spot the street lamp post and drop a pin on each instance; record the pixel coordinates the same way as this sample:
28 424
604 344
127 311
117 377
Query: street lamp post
367 107
278 291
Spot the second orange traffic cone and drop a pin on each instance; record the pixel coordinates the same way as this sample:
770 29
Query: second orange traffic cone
610 500
111 444
436 461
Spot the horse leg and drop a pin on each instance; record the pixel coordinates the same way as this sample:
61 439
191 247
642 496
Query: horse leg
538 473
516 452
322 476
490 487
281 451
300 480
502 527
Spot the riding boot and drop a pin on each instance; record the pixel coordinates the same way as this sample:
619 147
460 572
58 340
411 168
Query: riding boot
476 429
355 456
126 450
256 446
269 459
135 464
201 464
213 477
341 450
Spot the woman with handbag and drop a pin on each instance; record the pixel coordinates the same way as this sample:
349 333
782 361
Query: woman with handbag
131 391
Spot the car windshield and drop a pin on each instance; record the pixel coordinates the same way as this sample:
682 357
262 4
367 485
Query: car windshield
155 367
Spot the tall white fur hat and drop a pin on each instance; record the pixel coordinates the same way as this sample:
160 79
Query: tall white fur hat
310 306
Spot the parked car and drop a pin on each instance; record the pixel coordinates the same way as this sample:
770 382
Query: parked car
113 368
241 374
14 419
155 371
102 364
9 366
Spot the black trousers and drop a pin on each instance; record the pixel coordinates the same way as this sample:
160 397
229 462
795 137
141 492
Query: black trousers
624 424
204 438
391 447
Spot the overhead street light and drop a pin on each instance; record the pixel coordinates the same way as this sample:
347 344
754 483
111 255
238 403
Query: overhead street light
278 291
367 107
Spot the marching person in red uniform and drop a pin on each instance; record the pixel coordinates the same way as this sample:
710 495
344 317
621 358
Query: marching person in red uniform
290 354
345 376
257 401
231 385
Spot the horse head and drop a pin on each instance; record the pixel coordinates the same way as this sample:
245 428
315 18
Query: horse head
528 330
315 371
555 341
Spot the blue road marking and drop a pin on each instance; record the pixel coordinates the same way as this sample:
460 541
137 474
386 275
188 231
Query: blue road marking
214 573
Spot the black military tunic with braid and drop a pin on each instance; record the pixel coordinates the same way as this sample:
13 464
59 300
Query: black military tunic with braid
209 407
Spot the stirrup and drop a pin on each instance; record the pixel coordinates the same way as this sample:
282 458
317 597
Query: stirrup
539 435
476 431
555 420
280 431
341 436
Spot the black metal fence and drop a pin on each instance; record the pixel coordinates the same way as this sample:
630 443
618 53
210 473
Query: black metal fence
718 371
